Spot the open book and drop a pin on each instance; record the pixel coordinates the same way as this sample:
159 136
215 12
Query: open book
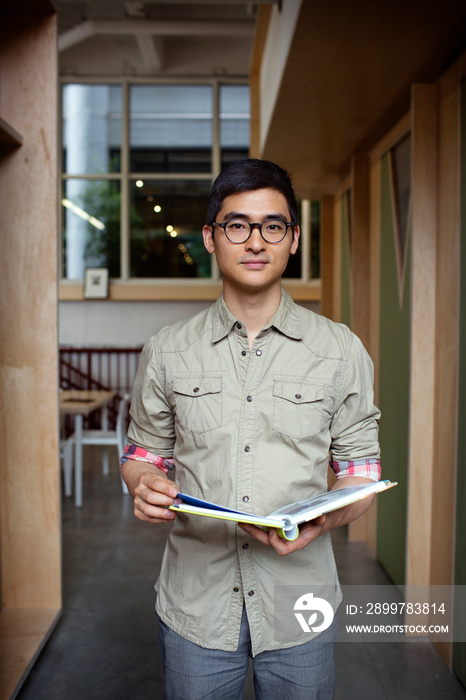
287 519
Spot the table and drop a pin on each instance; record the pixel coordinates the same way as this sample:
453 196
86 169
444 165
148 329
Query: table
80 403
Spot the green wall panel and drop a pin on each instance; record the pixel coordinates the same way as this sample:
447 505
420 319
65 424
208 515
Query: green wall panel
394 376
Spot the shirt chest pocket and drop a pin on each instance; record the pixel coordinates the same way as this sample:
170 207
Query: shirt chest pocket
198 401
298 408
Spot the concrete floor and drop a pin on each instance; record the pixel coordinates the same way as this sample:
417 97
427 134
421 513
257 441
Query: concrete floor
105 645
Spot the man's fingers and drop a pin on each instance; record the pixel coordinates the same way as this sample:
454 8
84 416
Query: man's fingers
307 533
154 512
159 484
152 496
257 532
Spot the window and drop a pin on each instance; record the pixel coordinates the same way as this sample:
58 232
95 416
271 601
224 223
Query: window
138 161
91 187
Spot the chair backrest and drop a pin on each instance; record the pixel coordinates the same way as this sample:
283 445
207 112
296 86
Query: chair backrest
120 423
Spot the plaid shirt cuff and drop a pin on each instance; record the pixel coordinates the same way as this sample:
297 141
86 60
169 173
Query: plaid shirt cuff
138 454
368 468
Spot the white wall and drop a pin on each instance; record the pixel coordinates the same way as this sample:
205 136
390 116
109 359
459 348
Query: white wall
122 324
118 324
279 37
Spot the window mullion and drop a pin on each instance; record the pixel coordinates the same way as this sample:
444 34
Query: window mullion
305 240
125 189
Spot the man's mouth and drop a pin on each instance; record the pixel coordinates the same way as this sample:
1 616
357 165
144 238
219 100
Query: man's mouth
254 263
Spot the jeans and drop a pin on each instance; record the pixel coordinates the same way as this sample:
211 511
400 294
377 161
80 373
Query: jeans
304 672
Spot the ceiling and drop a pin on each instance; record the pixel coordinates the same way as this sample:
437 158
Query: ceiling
348 79
348 72
157 39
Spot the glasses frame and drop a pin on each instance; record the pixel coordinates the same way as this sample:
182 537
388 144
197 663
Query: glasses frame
252 226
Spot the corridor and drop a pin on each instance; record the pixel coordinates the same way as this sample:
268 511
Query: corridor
105 645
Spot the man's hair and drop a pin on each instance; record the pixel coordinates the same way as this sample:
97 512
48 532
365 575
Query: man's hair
246 176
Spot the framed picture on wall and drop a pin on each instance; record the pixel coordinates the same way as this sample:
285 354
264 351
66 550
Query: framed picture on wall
96 283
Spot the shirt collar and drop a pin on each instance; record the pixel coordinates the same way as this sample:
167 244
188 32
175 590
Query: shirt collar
285 319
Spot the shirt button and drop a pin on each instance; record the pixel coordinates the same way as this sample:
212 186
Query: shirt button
250 593
298 396
258 353
249 399
235 589
245 545
247 448
196 389
245 499
243 352
238 326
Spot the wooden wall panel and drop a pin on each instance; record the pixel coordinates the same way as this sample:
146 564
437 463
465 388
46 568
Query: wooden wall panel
447 314
30 518
423 333
29 468
459 649
29 473
362 529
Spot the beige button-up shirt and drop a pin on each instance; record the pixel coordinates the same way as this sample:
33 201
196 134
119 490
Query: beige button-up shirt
250 430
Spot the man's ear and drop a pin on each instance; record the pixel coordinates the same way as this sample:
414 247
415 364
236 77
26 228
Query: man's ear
208 236
294 245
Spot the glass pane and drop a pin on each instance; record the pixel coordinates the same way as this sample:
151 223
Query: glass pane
171 128
234 123
91 129
315 240
293 269
91 227
167 218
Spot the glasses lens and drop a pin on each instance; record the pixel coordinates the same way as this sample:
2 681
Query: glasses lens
273 230
237 230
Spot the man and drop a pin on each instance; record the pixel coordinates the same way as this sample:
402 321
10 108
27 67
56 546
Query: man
247 399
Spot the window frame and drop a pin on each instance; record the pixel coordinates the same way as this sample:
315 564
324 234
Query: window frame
126 288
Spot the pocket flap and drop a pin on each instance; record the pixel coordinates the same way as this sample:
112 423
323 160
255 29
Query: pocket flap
197 386
298 393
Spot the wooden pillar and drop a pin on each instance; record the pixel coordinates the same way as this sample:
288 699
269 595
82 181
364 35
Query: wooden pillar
447 336
423 334
29 469
362 529
327 258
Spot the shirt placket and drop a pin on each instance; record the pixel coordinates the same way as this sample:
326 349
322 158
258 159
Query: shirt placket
252 368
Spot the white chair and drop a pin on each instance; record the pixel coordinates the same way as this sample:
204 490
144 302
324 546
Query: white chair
105 438
66 454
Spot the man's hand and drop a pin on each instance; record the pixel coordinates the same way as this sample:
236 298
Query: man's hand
151 490
309 531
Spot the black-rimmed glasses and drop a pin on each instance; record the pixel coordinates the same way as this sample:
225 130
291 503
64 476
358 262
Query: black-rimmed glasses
239 230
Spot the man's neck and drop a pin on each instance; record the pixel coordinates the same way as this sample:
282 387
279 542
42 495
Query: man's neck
253 308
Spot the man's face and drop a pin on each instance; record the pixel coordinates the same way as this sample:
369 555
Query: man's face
254 264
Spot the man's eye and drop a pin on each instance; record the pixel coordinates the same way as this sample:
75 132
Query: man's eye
236 225
275 226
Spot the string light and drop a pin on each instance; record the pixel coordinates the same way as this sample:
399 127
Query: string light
83 214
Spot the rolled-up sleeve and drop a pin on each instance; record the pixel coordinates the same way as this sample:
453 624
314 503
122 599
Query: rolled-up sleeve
152 421
354 427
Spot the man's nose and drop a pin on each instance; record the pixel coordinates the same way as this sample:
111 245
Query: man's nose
255 240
